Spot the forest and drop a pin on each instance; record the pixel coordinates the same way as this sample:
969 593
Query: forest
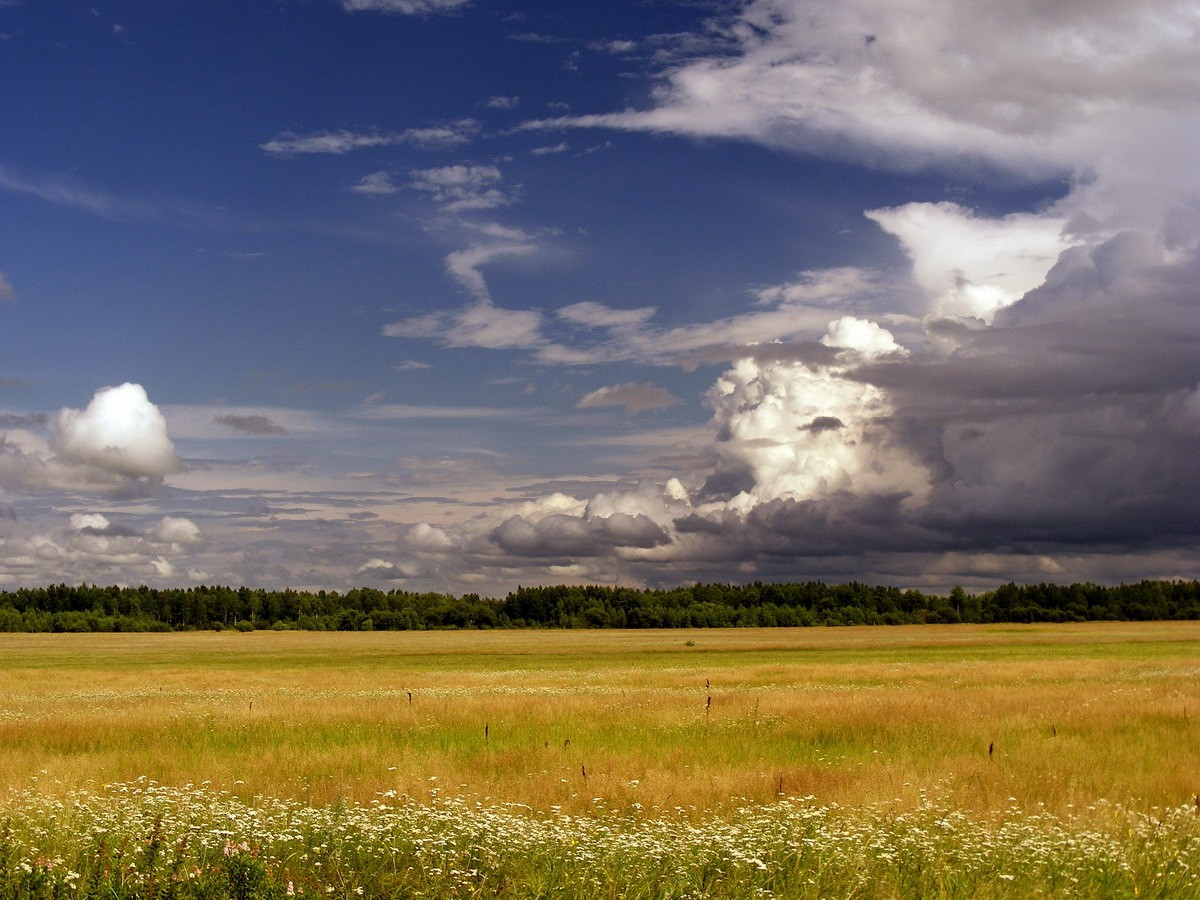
63 608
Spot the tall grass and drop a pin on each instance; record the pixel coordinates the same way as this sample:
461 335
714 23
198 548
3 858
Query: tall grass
936 762
144 840
853 716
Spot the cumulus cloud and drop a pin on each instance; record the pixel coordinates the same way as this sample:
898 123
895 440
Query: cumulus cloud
773 428
632 396
862 336
176 530
92 547
120 431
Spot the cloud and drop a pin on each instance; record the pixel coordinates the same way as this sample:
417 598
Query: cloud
576 537
462 188
479 325
377 184
862 336
971 266
503 102
772 422
121 431
561 147
633 397
452 134
178 531
906 85
405 7
27 420
253 424
6 289
599 333
464 266
60 193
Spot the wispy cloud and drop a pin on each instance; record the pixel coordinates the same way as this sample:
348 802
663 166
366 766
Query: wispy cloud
631 396
62 193
405 7
452 134
561 147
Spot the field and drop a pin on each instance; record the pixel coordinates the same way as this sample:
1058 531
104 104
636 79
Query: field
907 761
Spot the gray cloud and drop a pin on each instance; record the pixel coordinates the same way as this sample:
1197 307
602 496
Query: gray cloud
27 420
571 536
632 396
252 424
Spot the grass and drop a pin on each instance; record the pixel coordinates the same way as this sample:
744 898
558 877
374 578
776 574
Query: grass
877 732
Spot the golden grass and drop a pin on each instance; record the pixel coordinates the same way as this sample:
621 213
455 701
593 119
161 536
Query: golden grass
593 720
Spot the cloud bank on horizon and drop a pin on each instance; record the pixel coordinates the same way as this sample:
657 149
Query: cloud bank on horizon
900 292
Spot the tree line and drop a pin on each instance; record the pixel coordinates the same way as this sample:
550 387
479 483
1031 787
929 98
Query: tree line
62 607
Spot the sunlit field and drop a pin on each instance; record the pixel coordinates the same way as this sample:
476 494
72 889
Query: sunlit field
999 760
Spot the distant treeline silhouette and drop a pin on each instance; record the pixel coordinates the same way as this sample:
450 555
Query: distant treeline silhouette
91 608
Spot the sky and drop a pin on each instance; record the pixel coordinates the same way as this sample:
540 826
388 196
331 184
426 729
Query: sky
461 295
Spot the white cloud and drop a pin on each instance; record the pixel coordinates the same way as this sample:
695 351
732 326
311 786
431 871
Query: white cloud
464 265
92 521
971 266
561 147
799 310
377 184
632 396
428 538
62 194
861 335
804 432
480 325
1021 85
462 188
503 102
177 531
404 7
121 431
288 143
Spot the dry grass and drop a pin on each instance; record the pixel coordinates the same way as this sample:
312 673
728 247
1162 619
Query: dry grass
593 720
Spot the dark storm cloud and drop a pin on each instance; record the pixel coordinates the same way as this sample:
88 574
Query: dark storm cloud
1071 422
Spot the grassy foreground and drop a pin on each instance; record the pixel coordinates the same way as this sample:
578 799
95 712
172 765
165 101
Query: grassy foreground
930 761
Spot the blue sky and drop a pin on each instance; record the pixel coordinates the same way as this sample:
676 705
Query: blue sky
449 295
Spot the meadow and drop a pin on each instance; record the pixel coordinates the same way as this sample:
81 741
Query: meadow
958 760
